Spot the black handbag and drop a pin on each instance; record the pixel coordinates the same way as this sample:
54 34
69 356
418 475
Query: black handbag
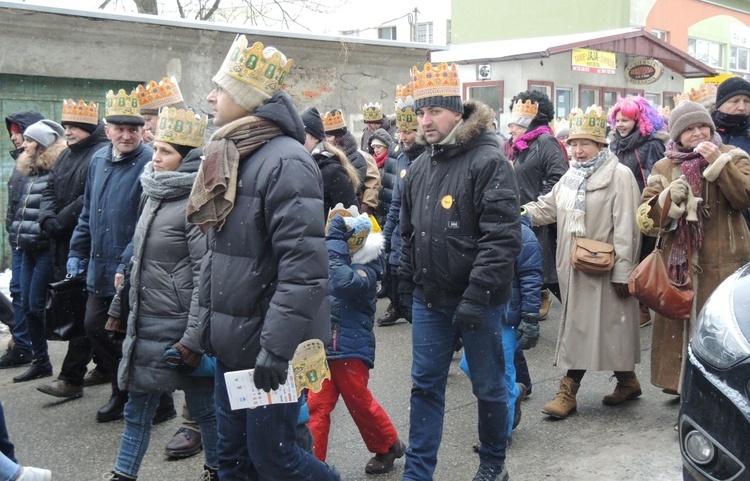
65 308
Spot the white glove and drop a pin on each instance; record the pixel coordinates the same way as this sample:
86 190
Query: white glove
679 189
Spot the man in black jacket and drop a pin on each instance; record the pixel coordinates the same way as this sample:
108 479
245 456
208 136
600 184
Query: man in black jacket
62 203
264 280
19 354
461 234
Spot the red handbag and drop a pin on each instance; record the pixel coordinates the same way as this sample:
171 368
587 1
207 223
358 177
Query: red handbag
651 285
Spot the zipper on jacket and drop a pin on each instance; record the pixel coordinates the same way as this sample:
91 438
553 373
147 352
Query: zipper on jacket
176 293
23 212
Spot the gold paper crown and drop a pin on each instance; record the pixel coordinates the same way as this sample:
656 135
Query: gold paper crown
705 95
665 111
122 104
440 81
406 117
590 125
524 110
560 125
183 127
157 95
80 112
372 112
333 120
259 67
403 91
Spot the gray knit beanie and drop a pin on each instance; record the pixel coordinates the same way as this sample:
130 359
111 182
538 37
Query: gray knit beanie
45 132
688 113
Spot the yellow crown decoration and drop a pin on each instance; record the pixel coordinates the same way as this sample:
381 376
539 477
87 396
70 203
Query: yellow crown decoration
183 127
122 104
372 112
704 95
154 96
665 111
259 67
435 81
406 117
333 120
80 112
525 110
403 91
591 124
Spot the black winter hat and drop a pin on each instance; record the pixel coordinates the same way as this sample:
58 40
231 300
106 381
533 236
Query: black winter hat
90 128
731 87
313 123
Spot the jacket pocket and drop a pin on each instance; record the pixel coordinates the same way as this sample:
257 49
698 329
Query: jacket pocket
461 251
177 294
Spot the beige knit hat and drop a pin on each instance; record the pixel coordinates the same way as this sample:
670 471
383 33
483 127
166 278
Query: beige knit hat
686 114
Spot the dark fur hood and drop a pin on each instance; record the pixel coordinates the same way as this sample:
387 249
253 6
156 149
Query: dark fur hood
477 119
43 162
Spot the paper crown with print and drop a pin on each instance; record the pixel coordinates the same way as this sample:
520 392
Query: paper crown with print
333 120
182 127
81 112
591 124
437 86
523 112
154 96
403 91
123 108
705 95
263 68
359 223
406 117
372 112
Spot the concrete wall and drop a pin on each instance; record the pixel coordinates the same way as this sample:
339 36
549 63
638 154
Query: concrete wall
328 72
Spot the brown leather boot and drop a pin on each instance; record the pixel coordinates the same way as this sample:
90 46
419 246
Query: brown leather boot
546 303
645 316
383 463
627 389
565 401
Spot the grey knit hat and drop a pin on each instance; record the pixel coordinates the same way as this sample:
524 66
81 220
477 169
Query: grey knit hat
45 132
688 113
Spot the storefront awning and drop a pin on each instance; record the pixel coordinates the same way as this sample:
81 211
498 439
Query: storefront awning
629 41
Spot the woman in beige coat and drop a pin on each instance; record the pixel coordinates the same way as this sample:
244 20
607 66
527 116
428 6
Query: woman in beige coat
709 186
596 199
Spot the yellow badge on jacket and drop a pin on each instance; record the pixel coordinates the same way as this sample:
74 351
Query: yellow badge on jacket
447 202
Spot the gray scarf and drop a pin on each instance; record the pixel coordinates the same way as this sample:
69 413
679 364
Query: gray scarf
573 190
166 185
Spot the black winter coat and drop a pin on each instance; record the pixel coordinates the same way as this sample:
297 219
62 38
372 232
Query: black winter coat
337 187
23 119
63 198
638 153
459 222
264 280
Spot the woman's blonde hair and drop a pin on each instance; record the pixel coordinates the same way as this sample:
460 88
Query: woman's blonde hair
339 154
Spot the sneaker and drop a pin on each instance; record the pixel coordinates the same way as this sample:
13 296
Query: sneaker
14 358
209 474
489 472
34 474
95 376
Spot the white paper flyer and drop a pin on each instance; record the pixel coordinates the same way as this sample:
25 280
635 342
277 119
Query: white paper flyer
244 395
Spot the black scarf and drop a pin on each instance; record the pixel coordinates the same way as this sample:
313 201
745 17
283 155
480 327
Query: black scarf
733 125
628 143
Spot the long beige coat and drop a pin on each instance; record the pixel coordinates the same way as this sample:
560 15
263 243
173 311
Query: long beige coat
598 331
726 247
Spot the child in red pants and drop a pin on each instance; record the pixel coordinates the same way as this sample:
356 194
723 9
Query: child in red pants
356 263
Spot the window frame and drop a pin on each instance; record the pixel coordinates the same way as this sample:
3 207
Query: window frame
486 84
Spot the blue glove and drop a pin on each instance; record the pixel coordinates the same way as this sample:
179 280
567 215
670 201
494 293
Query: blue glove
528 330
337 229
75 266
469 315
270 370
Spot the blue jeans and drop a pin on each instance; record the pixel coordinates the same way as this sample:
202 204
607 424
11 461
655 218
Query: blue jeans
9 469
37 270
21 339
260 444
433 336
139 415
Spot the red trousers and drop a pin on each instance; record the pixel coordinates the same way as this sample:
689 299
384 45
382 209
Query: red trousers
349 378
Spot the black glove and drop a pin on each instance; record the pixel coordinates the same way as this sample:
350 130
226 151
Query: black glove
337 229
405 298
528 330
51 226
469 315
270 370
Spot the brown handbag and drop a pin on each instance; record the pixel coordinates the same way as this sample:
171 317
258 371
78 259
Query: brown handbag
591 256
651 285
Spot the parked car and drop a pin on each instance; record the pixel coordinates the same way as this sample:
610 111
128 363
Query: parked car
714 422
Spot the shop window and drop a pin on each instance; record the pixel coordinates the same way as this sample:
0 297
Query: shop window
610 98
739 59
588 96
541 86
710 53
387 33
655 99
562 103
489 93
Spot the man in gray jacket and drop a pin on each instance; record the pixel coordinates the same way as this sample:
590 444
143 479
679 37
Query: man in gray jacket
264 280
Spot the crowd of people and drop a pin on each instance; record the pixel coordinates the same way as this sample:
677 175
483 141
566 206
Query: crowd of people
218 245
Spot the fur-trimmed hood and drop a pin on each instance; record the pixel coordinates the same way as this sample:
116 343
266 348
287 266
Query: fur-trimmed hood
43 162
371 250
476 119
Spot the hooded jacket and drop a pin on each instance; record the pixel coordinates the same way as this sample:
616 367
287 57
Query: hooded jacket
110 212
25 232
264 280
387 175
23 119
62 200
460 226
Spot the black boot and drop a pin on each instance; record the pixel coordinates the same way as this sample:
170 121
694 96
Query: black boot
39 368
209 474
390 317
14 358
166 410
119 477
113 409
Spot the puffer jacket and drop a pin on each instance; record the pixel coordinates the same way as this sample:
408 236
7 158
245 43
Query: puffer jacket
353 289
63 197
460 227
264 280
110 212
25 232
639 153
527 277
164 277
337 187
388 173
